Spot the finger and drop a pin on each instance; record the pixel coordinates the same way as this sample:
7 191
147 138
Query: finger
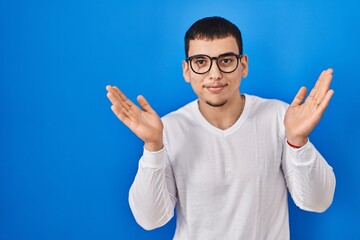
123 97
319 80
119 96
121 115
108 87
112 98
129 111
317 85
299 98
118 107
144 104
116 101
325 85
113 94
119 99
321 87
324 104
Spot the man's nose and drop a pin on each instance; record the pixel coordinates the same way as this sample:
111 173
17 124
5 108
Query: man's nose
214 72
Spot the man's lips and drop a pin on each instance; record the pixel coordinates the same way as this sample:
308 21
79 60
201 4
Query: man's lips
215 88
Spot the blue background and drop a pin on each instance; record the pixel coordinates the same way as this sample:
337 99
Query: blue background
66 162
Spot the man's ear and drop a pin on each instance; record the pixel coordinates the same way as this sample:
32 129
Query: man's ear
186 69
244 65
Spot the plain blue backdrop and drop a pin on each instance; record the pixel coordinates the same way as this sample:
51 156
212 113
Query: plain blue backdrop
66 162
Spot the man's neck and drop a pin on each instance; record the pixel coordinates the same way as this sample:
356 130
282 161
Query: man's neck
225 116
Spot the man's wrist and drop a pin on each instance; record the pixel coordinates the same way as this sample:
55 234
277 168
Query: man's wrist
296 143
153 147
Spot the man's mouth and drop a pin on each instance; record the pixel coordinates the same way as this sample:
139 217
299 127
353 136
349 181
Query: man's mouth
215 88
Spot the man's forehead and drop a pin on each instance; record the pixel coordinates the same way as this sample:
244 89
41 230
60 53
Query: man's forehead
213 47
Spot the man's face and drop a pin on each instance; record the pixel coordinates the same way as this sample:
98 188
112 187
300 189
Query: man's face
215 88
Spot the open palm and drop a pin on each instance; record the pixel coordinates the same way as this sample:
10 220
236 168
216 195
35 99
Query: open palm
303 116
145 122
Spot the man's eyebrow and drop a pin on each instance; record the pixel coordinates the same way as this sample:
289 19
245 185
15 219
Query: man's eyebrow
222 54
228 53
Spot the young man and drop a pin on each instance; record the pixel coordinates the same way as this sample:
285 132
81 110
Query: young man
226 160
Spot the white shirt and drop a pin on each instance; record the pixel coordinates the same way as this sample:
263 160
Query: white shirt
229 184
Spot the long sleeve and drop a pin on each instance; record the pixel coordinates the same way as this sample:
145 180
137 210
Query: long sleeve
309 178
152 194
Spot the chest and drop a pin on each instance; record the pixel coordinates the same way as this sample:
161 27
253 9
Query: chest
209 163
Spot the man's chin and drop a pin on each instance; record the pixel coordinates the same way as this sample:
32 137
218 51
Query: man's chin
216 104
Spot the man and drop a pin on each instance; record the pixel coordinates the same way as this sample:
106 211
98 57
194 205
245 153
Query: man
226 160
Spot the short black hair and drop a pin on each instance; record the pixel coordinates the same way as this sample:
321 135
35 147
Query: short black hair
211 28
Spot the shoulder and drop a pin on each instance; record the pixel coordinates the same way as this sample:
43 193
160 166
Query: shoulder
267 114
181 115
266 107
266 103
179 124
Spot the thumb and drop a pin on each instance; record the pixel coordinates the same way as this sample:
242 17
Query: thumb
144 104
299 98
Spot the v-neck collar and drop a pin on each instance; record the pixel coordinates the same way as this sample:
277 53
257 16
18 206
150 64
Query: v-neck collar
217 131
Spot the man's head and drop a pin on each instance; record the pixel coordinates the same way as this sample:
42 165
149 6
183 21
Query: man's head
211 28
215 64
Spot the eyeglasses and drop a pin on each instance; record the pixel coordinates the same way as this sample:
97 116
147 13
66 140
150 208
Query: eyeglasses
201 63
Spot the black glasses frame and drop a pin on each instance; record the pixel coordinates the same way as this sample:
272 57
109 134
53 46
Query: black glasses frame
238 56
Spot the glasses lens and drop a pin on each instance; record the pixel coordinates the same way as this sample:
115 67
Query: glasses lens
228 63
200 64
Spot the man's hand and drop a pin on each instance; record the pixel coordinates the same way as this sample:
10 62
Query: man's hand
145 123
302 117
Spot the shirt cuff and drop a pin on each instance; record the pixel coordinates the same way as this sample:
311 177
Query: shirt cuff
303 156
155 160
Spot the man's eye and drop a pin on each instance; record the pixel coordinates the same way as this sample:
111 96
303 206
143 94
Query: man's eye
200 62
226 61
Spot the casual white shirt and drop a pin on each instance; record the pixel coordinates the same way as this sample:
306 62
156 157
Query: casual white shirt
229 184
